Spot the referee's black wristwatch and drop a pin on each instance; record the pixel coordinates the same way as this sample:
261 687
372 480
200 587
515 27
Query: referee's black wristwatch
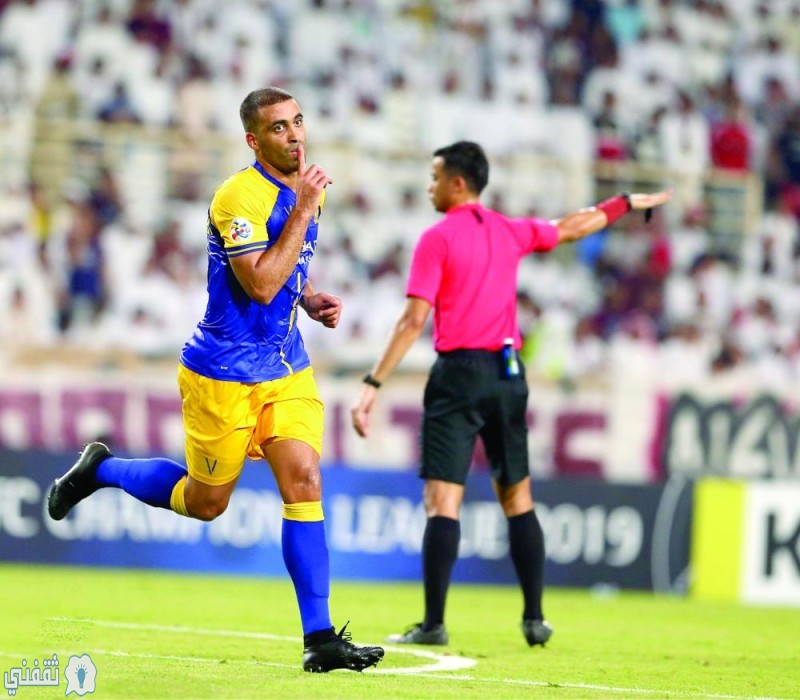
369 379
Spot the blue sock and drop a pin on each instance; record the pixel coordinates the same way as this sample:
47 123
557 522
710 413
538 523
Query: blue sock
149 480
305 554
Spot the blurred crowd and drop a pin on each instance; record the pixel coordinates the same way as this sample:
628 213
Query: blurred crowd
680 86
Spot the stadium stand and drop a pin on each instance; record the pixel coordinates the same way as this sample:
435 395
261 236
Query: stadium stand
118 117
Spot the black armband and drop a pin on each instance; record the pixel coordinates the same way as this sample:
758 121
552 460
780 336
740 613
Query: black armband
369 379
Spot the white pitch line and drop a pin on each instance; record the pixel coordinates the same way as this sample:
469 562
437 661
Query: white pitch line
442 662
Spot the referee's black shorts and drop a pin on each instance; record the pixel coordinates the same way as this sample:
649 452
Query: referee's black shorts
467 395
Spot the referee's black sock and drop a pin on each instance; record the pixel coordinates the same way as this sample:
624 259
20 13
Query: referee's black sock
439 552
526 541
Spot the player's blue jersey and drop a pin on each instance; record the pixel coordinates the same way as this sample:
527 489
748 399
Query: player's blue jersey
240 339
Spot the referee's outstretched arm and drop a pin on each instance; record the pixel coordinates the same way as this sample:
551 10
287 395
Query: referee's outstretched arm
587 221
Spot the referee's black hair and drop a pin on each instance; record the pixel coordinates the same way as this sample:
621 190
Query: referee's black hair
257 99
467 159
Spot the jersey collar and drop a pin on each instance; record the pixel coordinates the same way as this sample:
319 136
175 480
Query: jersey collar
269 177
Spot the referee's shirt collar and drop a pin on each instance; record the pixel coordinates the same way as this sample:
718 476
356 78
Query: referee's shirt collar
466 206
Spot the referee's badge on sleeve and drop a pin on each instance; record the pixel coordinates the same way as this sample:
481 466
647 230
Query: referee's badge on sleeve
241 229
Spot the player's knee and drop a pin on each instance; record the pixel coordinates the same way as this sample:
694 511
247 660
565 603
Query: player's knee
305 485
207 509
310 485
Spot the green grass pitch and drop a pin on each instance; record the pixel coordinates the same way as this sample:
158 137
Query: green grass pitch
159 635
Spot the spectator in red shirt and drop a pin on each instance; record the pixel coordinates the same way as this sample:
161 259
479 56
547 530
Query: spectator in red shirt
730 139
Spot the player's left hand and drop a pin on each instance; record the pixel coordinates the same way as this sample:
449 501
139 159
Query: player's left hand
323 307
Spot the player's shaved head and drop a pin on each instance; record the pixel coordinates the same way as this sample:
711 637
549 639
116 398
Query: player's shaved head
257 99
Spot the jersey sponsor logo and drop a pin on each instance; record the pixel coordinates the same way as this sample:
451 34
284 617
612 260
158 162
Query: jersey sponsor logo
211 465
306 253
241 229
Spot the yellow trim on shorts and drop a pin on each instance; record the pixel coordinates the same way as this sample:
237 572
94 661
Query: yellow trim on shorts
306 512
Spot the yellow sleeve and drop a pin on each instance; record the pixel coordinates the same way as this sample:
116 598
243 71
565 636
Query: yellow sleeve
239 212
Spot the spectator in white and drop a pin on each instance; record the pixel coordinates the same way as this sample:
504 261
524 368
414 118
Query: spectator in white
26 322
657 13
586 356
102 41
714 293
211 44
660 52
647 139
684 356
36 32
517 79
195 99
756 327
767 59
770 252
685 143
633 353
654 93
186 18
758 19
707 37
689 238
153 94
95 86
15 95
609 76
772 369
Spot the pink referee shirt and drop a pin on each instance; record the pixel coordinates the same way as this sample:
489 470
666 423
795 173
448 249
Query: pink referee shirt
466 267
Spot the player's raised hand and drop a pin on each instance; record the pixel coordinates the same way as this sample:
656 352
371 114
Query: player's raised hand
311 180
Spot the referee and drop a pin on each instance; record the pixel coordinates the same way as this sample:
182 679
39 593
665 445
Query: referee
465 268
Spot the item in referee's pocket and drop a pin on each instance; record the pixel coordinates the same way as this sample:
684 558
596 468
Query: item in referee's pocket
510 359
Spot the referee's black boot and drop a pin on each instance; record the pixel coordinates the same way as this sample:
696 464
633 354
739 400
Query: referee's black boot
436 635
325 651
78 483
536 631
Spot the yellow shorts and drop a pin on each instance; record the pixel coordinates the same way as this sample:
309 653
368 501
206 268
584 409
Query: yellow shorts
225 422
